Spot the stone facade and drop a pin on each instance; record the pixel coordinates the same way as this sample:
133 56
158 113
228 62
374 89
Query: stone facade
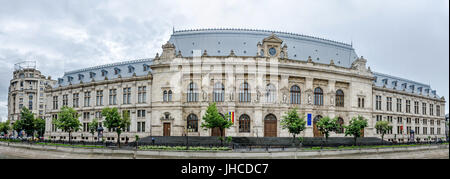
179 87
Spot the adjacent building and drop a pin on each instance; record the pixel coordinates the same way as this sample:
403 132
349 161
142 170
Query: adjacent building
254 75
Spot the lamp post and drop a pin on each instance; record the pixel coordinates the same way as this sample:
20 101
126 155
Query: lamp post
187 136
99 133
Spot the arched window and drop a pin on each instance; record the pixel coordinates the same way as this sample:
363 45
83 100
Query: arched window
271 93
244 94
244 123
339 98
295 95
170 96
192 94
318 97
340 121
165 96
192 123
219 92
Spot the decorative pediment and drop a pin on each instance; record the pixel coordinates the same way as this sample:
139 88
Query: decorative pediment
273 39
166 117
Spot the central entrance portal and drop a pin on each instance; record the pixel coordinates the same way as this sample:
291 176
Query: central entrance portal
270 126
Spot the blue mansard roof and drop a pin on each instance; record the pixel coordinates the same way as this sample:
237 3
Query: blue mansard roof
111 71
219 42
401 84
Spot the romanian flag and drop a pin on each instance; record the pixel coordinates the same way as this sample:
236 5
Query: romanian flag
231 116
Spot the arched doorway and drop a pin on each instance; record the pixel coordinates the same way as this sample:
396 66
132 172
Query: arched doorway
216 131
316 131
270 126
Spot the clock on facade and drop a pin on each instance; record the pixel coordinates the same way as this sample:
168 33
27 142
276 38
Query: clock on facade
272 51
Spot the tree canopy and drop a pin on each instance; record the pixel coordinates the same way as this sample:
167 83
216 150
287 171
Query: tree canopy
213 119
326 125
293 122
67 120
355 127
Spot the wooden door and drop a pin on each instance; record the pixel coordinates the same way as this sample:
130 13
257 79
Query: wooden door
166 130
270 126
316 131
216 132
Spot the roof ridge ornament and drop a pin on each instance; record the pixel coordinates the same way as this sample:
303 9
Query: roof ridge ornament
205 54
232 54
179 54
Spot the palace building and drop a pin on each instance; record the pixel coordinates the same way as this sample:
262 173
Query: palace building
256 75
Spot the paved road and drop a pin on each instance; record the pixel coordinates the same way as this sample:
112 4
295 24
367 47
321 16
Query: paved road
17 153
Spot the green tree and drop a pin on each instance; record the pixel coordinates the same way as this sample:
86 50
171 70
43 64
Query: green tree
17 126
27 124
39 126
5 127
68 121
326 125
113 120
357 124
293 123
383 127
93 127
212 119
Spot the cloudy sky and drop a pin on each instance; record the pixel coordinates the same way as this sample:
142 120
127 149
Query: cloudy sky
405 38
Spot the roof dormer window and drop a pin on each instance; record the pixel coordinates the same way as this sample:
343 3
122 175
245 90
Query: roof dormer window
146 67
104 72
116 71
92 74
80 76
69 78
130 69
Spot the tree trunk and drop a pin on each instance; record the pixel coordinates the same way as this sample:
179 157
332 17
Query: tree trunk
70 138
355 141
118 139
382 139
221 135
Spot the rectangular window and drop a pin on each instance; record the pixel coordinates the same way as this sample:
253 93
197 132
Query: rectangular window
399 105
113 97
417 130
379 118
99 99
408 106
86 115
424 108
141 113
126 96
438 110
65 100
55 102
140 126
424 121
360 102
399 120
425 132
416 107
408 120
431 109
142 94
378 103
389 103
76 99
389 119
87 99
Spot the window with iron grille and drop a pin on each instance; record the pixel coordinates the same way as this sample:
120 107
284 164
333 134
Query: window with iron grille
244 123
192 93
340 99
318 97
244 94
295 95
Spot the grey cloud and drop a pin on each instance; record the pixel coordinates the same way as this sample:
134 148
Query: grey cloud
404 38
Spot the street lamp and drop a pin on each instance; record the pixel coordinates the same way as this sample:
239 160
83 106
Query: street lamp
100 132
186 133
